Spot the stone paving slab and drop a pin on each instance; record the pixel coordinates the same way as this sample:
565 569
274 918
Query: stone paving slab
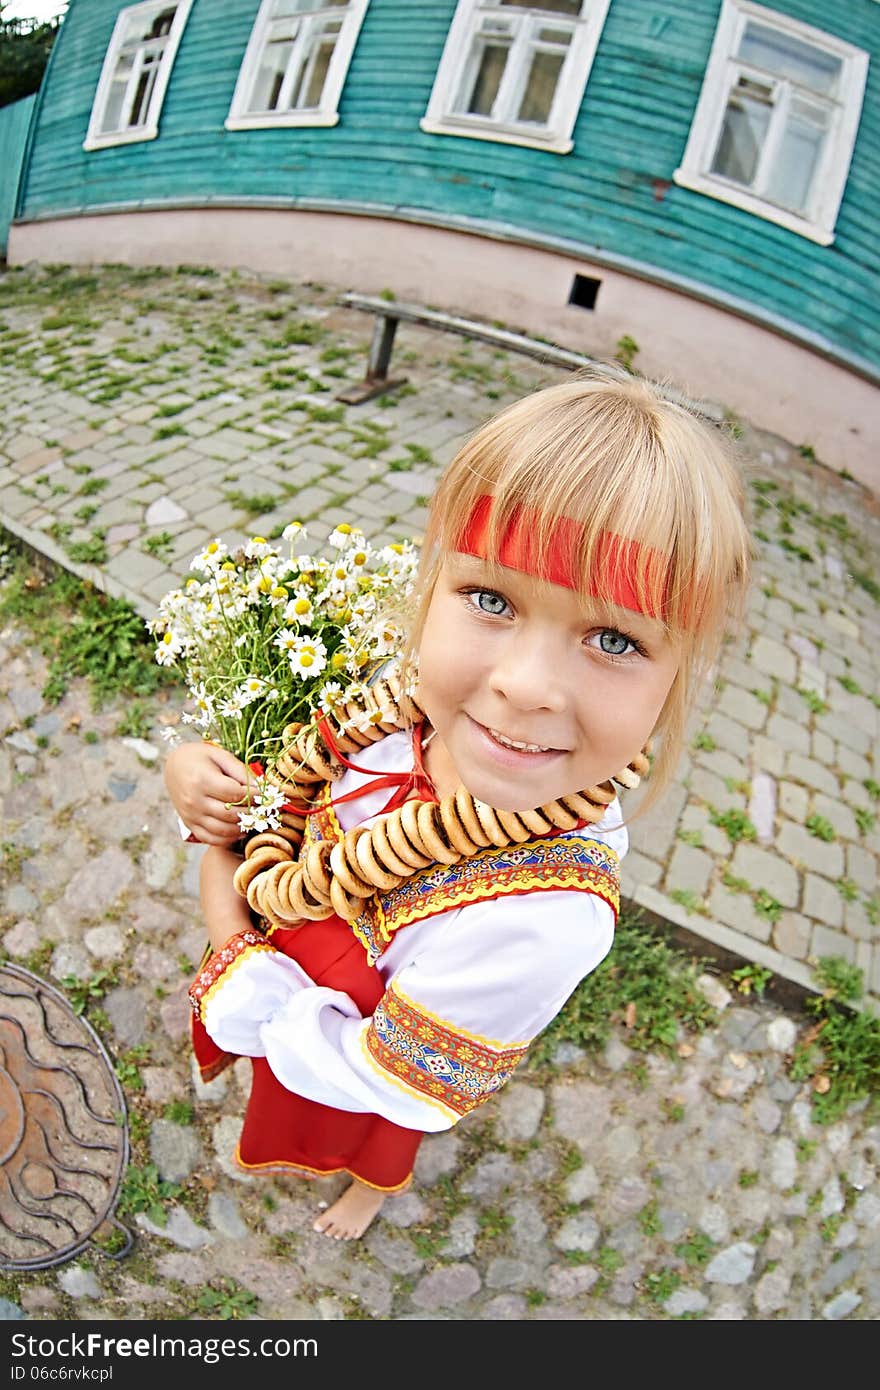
766 848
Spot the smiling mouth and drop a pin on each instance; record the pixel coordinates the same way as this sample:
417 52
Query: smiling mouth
518 745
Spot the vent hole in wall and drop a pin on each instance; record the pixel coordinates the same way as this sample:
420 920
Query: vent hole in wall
584 291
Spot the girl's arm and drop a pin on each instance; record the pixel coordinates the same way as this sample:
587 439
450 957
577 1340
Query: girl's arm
201 780
225 912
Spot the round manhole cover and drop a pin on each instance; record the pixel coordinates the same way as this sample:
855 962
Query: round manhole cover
63 1138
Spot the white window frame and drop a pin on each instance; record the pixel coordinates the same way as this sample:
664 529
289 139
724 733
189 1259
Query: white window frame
440 119
327 114
96 138
722 70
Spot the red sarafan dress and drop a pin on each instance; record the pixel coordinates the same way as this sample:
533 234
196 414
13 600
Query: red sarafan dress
366 1035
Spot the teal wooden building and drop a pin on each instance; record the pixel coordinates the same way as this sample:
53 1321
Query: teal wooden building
698 175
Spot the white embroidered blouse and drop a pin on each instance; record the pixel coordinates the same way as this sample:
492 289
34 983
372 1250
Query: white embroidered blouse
467 987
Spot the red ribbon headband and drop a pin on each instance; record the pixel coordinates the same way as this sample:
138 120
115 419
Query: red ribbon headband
631 572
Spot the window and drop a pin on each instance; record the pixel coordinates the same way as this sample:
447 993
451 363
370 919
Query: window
296 62
135 74
515 71
776 120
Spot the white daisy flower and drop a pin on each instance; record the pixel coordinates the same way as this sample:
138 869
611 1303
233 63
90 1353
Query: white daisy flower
252 687
257 547
203 702
285 639
300 609
342 537
264 811
330 694
294 531
170 646
211 557
234 706
308 658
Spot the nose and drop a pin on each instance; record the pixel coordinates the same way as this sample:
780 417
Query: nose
529 673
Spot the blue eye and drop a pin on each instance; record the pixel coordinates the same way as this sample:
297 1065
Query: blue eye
487 601
613 643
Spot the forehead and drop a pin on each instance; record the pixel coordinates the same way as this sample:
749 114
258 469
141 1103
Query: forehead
557 601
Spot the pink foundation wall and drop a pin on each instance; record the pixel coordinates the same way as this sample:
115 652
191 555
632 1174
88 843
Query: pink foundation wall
705 351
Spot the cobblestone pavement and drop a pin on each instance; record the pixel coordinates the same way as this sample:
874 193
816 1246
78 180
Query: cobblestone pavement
148 411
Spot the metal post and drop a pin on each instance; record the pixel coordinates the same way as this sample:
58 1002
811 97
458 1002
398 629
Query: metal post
384 330
376 382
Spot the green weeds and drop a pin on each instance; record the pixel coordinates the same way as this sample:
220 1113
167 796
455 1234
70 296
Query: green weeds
82 632
840 1052
82 993
644 983
734 823
143 1190
821 828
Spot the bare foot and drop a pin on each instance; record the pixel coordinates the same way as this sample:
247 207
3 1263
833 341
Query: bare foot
350 1216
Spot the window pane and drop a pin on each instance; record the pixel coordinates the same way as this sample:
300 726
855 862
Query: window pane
541 88
112 119
557 6
270 76
789 57
310 86
161 25
489 74
146 82
797 160
284 8
742 134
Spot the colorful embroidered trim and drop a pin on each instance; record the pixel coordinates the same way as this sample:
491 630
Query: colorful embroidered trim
574 862
237 949
322 823
632 575
434 1059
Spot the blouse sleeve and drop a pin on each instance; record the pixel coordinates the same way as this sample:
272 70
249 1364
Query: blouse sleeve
455 1020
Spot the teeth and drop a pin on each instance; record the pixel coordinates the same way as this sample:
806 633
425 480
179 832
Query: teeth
520 747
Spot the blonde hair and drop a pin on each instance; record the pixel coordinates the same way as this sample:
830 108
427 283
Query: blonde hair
615 455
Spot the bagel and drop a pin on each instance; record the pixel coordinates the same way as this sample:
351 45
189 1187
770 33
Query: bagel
433 840
454 830
561 818
401 840
373 871
385 851
490 823
514 826
343 872
464 805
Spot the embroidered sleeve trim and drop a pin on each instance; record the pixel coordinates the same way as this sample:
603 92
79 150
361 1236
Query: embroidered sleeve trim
574 862
209 979
435 1060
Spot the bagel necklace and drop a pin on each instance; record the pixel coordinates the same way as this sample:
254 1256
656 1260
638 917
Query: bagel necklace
286 886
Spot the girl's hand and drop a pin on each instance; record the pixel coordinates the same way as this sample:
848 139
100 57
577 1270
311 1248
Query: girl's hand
201 779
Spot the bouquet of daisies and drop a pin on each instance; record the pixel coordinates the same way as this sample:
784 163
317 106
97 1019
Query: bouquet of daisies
264 637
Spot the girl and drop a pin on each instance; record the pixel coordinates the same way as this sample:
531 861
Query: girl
584 552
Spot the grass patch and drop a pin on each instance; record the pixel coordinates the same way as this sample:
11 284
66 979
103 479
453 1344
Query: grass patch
143 1190
252 503
82 632
644 983
821 828
735 824
839 1054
